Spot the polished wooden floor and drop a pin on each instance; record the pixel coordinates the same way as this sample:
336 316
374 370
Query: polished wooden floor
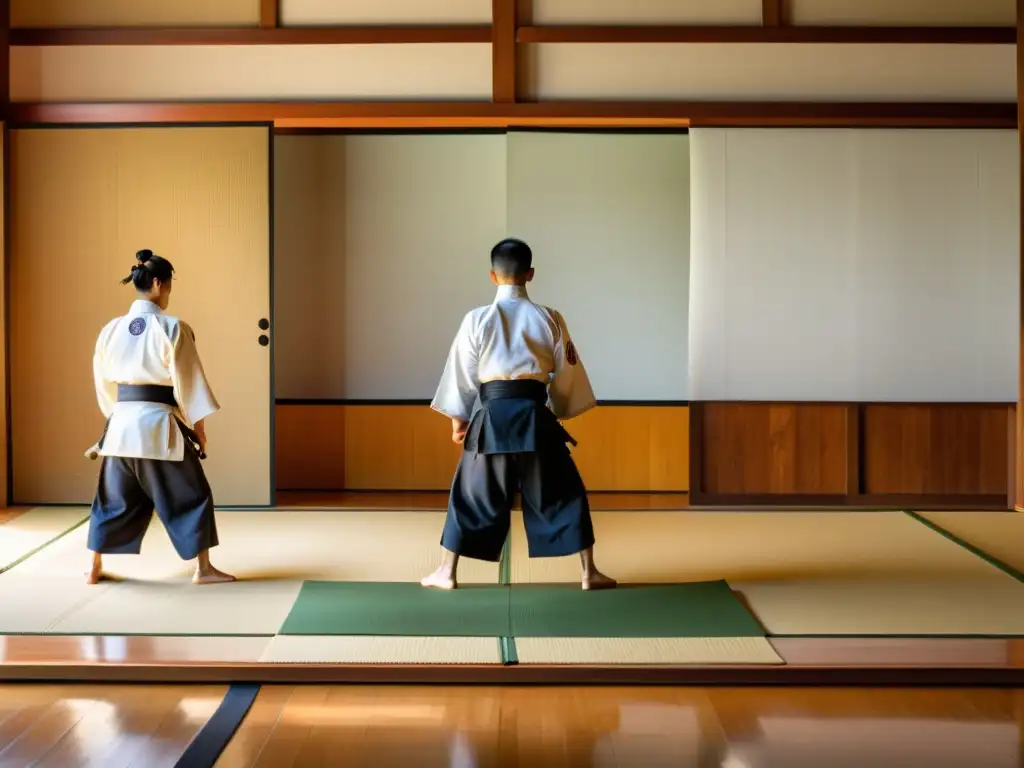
65 726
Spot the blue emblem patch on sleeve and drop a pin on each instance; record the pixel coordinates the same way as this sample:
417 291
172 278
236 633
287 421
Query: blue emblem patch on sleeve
137 326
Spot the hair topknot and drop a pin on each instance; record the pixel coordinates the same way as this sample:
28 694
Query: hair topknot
149 266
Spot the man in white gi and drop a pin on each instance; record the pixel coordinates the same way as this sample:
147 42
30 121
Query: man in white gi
519 359
151 388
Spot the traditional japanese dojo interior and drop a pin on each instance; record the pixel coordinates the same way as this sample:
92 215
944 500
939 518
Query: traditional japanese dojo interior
785 235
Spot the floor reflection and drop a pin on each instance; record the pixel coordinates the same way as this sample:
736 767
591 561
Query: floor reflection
471 727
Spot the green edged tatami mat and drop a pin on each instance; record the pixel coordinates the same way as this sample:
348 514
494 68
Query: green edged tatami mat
699 609
28 533
668 610
397 608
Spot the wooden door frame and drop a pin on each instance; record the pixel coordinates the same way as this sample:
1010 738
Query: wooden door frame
8 250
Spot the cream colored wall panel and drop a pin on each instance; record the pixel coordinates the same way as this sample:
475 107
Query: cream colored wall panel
105 73
903 12
752 72
200 197
304 262
421 216
607 216
314 12
646 11
134 13
854 265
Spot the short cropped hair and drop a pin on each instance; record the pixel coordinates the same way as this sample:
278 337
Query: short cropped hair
511 258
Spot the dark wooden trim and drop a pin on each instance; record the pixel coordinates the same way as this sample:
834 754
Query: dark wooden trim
866 403
1018 474
560 114
358 35
696 449
519 674
1011 455
503 52
934 502
771 13
269 13
854 449
293 401
8 487
768 34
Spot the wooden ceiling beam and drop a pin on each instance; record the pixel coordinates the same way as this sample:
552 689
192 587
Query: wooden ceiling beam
481 114
773 34
360 35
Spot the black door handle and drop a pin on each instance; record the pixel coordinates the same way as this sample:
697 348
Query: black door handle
264 324
264 340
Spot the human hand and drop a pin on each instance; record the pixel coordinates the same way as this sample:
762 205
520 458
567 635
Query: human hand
200 431
459 428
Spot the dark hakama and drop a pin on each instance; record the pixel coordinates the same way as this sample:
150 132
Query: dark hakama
515 443
131 489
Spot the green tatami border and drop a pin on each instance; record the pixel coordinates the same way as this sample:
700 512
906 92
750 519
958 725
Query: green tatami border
44 545
507 645
995 562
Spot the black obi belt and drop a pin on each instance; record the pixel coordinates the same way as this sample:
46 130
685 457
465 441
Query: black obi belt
514 418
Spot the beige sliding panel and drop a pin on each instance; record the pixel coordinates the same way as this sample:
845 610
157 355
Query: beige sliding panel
83 201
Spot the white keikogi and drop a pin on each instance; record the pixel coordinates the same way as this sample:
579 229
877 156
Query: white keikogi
513 339
147 347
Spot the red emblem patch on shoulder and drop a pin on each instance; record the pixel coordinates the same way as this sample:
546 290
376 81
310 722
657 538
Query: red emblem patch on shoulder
570 353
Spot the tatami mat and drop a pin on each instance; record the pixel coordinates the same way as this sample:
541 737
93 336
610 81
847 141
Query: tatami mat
805 573
799 573
270 552
36 528
368 649
999 534
648 651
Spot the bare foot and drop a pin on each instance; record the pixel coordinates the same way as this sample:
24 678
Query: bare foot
440 579
597 580
95 575
211 575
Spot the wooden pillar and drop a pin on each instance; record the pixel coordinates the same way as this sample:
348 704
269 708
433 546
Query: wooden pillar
1017 478
5 104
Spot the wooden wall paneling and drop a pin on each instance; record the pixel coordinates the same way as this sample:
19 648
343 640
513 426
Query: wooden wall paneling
309 447
633 448
402 447
394 447
774 449
935 449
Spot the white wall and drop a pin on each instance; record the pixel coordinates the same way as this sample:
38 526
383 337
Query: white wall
607 216
874 265
383 243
